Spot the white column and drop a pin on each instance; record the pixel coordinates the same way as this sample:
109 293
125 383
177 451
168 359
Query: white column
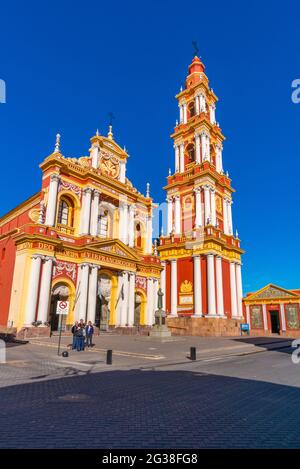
239 289
225 216
234 310
131 225
173 287
181 158
197 287
170 214
155 297
198 206
78 294
177 215
184 113
131 299
181 114
176 158
212 112
248 315
163 283
125 293
207 214
197 105
94 213
219 164
211 289
122 175
198 151
219 282
86 211
125 225
94 155
52 200
150 305
92 295
202 103
33 290
83 292
265 319
229 216
149 234
121 221
45 289
282 317
207 147
203 146
213 207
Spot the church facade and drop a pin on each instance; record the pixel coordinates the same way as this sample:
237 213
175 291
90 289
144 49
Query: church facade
83 241
200 252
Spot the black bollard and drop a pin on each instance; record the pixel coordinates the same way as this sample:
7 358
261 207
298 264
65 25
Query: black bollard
65 354
193 353
109 357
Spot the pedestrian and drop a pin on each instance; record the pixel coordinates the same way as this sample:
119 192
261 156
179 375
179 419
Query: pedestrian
74 331
80 338
89 330
81 323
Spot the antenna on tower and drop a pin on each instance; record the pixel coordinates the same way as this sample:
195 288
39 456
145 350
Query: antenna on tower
111 117
196 48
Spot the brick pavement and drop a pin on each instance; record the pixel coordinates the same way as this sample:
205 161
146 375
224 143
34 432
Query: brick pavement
226 404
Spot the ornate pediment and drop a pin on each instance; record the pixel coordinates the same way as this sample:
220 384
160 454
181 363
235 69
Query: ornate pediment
271 291
116 247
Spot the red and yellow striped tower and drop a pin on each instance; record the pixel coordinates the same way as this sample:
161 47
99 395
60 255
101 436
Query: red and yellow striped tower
202 256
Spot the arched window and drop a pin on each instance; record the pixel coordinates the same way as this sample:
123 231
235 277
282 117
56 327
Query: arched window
103 224
138 236
191 153
192 109
64 216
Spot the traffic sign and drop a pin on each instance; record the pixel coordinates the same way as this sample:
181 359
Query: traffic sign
62 307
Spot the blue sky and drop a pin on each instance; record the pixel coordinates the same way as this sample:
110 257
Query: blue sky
66 66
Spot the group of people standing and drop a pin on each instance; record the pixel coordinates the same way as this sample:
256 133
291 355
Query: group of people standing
82 335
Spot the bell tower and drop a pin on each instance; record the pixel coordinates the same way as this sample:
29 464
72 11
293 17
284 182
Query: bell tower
200 253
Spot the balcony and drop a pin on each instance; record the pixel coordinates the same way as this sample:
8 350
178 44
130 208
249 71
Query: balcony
200 234
65 229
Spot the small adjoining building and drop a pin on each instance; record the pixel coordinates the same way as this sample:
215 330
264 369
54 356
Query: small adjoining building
273 310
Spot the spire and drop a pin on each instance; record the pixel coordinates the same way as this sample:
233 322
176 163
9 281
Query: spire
97 133
57 144
110 133
147 190
196 65
155 248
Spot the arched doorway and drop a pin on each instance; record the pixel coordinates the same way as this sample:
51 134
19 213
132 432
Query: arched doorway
139 308
59 292
103 302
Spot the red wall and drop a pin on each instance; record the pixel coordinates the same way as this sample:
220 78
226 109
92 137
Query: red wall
7 261
226 287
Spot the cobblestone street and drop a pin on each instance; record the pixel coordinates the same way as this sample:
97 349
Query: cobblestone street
250 400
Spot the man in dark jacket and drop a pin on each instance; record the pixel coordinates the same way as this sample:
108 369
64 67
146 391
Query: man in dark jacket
89 330
74 331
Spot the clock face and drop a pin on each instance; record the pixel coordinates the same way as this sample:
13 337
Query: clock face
110 169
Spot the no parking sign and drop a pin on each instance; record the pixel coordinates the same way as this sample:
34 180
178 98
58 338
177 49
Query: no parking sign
62 307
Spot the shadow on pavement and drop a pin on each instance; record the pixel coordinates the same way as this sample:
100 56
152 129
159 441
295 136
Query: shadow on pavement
276 344
11 341
150 409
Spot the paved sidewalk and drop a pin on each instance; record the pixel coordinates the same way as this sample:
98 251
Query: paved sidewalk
145 349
